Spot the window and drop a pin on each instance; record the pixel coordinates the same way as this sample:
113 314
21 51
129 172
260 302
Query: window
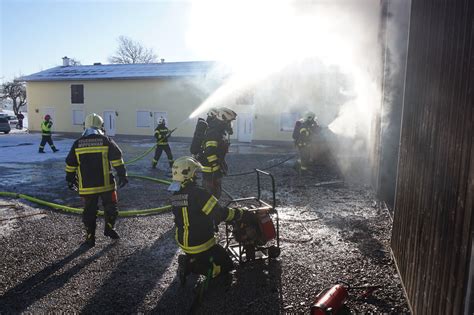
143 119
77 94
77 116
287 121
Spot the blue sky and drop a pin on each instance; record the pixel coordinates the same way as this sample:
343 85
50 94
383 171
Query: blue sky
36 34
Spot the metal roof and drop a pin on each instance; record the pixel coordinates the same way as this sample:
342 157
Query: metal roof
122 71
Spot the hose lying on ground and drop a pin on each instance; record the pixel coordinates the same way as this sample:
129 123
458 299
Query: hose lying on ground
263 169
125 213
142 155
158 180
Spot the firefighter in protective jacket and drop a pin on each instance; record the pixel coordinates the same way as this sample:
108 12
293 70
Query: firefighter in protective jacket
89 170
46 126
215 147
162 133
303 133
195 212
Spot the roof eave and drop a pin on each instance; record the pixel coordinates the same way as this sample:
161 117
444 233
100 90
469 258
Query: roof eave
108 79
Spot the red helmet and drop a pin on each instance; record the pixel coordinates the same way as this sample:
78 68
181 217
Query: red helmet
47 117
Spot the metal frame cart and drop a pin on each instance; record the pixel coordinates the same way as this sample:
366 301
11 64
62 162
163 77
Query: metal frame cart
260 238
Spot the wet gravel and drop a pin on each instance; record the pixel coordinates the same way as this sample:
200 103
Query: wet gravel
330 233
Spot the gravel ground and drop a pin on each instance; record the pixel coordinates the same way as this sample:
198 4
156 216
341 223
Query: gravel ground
330 233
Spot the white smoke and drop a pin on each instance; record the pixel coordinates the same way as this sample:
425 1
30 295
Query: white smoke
261 40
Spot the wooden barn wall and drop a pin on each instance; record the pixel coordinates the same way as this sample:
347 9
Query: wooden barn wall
396 15
431 237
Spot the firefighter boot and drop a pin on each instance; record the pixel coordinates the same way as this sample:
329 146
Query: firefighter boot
153 164
41 150
90 238
54 149
184 269
110 232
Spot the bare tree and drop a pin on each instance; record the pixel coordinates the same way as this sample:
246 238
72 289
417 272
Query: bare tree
130 51
16 91
74 62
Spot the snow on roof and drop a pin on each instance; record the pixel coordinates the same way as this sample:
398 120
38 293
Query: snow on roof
122 71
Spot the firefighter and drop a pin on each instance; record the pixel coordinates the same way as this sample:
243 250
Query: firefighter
46 134
199 135
91 158
196 211
303 133
215 147
162 134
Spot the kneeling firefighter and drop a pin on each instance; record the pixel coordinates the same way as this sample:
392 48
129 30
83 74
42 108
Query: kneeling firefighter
92 157
195 212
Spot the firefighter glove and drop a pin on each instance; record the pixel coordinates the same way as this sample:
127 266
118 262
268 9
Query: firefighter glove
122 181
71 181
238 214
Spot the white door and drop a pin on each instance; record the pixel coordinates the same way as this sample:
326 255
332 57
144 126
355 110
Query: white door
109 123
48 111
244 127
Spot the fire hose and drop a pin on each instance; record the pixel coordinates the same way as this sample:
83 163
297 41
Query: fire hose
150 149
125 213
263 169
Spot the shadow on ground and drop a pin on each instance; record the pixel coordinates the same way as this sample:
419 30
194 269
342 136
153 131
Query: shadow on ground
20 297
126 288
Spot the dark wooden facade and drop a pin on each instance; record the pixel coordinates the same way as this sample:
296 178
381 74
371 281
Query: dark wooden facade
433 219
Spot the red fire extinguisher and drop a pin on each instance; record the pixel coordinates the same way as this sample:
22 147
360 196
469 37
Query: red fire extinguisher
330 301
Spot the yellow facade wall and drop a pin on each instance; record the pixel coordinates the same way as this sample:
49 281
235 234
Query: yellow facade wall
124 97
176 97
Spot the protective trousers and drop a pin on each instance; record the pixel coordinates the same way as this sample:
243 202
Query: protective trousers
44 140
305 156
159 150
213 183
89 216
212 262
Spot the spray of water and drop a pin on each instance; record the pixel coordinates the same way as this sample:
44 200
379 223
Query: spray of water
322 56
259 39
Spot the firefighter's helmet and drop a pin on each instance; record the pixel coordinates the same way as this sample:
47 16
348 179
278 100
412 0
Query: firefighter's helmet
162 121
184 168
225 114
308 116
47 117
212 112
93 121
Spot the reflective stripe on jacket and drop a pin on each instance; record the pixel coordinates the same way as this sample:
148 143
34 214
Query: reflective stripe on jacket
161 134
46 128
195 210
93 157
215 149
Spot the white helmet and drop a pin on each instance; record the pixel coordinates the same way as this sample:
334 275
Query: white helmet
212 112
93 121
225 114
184 168
308 116
162 121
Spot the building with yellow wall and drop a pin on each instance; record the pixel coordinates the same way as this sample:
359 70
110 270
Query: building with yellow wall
132 97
